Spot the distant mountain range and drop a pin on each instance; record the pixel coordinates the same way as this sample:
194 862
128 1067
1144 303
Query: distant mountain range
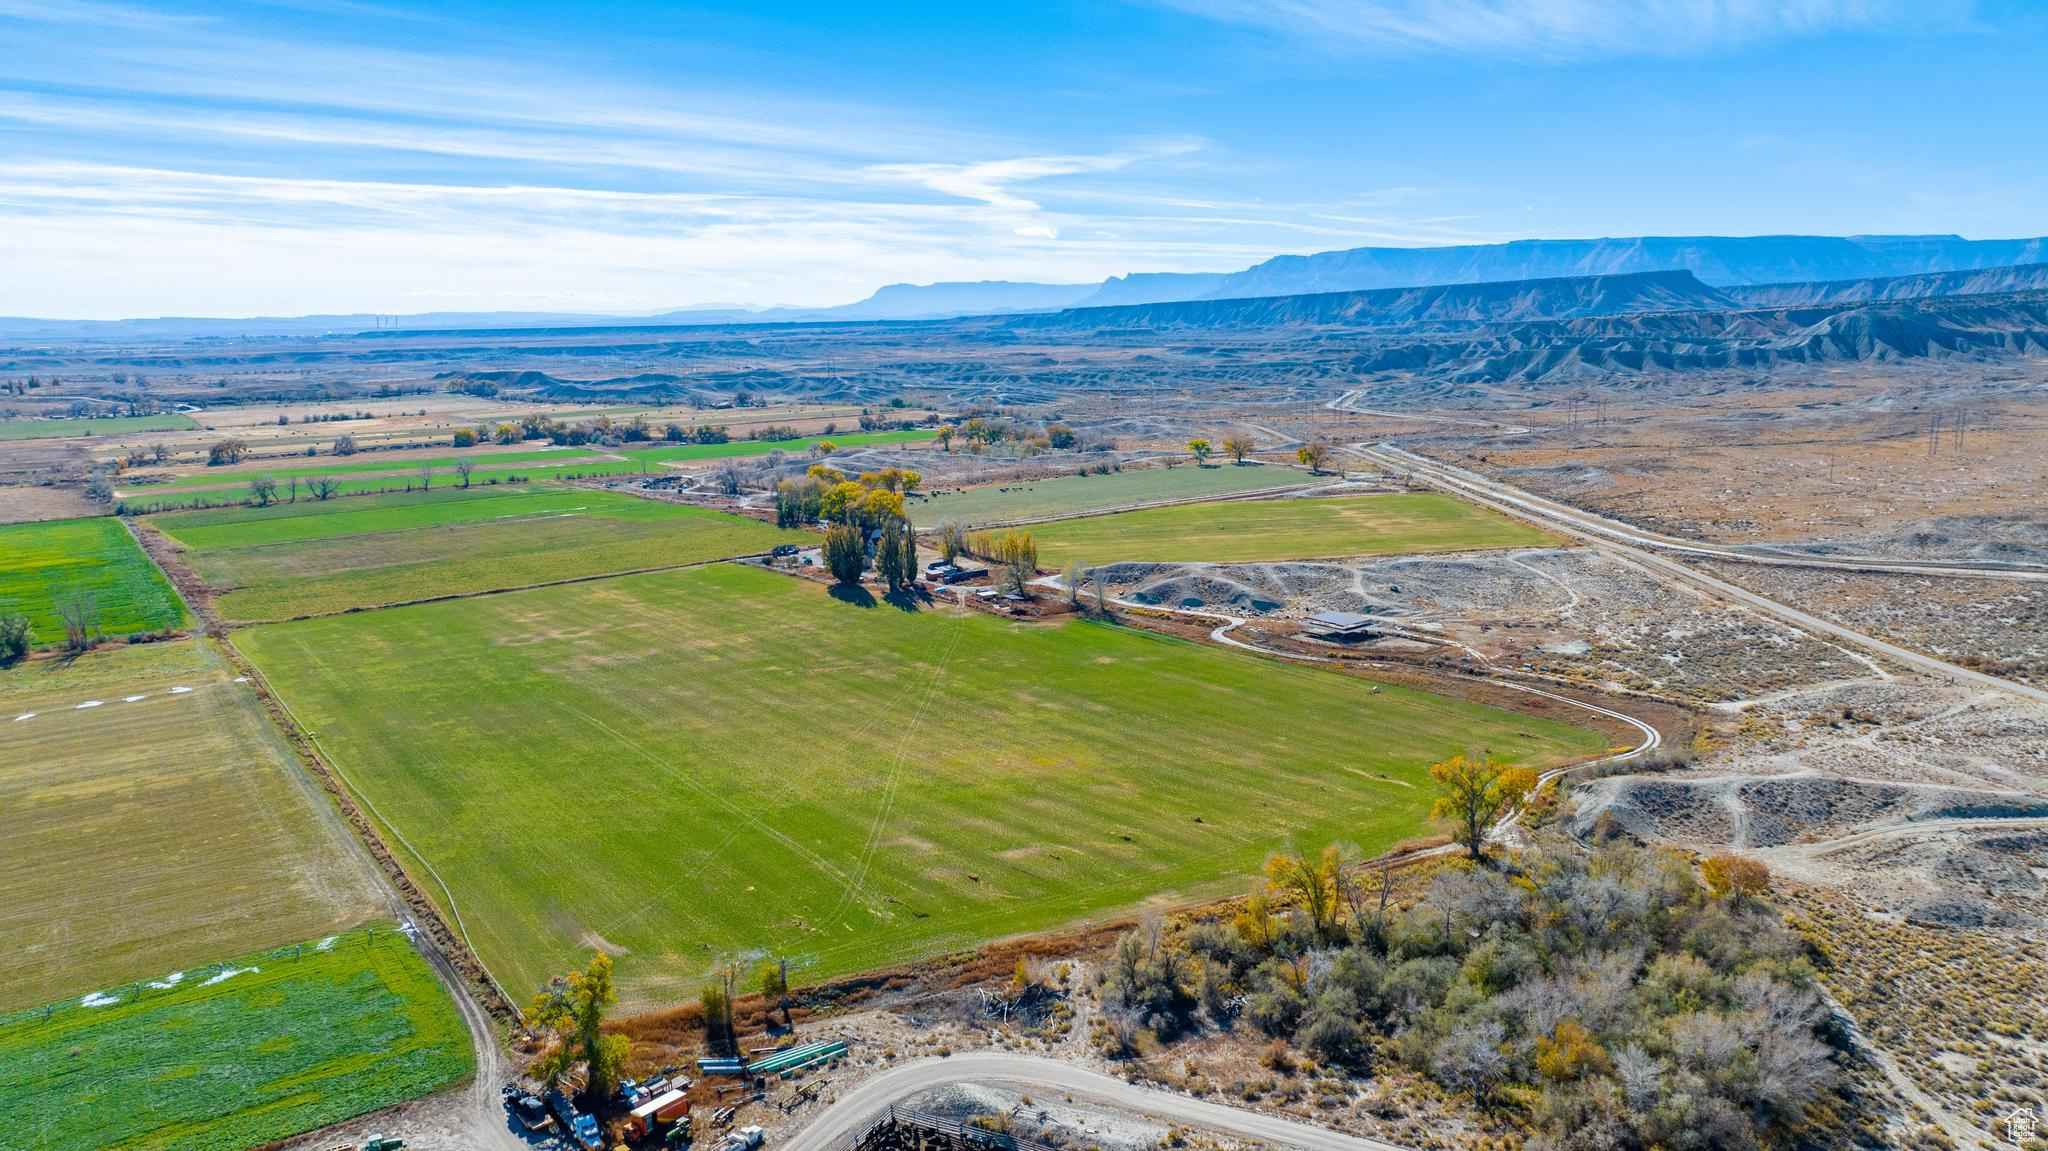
1434 308
1771 270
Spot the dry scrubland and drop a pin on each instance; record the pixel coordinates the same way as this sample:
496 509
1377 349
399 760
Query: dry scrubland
163 833
325 557
748 763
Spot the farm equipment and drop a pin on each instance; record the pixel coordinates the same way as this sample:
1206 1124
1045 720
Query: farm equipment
529 1110
744 1139
678 1135
663 1108
788 1063
382 1143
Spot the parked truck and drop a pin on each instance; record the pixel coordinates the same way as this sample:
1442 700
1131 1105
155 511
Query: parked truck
664 1108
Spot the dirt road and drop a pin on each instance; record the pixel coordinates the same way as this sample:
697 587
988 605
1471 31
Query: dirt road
1648 550
835 1127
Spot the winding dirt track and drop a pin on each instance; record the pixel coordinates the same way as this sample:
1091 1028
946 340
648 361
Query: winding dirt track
835 1127
1648 551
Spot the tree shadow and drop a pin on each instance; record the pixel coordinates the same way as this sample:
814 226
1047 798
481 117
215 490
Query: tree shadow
909 599
854 594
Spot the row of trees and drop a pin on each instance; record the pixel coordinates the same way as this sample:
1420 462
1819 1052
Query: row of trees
1237 445
1014 554
823 493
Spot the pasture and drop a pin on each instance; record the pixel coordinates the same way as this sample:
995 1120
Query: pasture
153 820
43 562
93 426
1284 529
684 453
230 1055
331 556
213 487
1078 495
682 766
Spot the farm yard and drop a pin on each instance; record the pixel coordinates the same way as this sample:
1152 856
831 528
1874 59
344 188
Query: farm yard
315 558
1284 529
756 764
1081 494
45 562
232 1054
153 821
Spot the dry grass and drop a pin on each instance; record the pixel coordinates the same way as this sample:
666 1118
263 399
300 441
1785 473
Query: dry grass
150 836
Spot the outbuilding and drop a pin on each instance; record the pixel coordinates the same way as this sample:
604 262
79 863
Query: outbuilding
1339 626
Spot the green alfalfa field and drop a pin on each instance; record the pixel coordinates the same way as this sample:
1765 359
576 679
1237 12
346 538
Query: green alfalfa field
43 562
683 766
232 1055
1284 529
319 557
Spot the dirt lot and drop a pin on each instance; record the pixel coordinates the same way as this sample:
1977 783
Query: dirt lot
1994 626
1847 457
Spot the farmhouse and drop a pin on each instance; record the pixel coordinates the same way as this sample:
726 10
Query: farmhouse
1338 626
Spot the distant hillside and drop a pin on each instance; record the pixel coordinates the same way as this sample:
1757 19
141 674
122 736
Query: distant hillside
2026 277
1829 265
1608 347
1718 260
1437 307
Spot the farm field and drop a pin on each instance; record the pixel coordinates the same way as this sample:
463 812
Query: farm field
368 463
1284 529
93 426
453 546
682 453
207 489
155 828
1075 495
48 559
773 768
232 1055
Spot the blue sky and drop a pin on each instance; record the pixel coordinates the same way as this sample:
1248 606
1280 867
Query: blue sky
353 155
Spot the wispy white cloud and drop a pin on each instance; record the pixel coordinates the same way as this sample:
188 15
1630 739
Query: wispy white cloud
1561 29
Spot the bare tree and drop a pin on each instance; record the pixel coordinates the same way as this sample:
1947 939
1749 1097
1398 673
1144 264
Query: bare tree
323 487
80 611
729 478
462 470
426 479
263 491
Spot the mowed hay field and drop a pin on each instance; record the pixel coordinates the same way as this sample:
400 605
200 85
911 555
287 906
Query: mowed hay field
234 1054
681 766
1076 495
43 561
147 835
331 556
1284 529
90 426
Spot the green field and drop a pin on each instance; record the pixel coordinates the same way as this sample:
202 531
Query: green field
1283 529
235 1054
677 453
373 475
156 833
1076 495
41 562
685 765
93 426
331 556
